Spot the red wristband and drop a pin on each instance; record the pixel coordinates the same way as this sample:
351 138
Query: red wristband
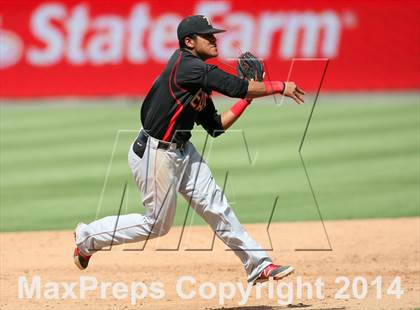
273 87
238 108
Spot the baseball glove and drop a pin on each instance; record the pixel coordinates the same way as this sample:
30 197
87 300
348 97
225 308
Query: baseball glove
250 67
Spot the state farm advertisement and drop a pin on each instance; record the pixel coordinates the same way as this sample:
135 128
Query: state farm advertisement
54 48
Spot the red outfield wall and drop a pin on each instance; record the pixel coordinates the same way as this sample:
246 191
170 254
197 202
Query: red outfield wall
50 48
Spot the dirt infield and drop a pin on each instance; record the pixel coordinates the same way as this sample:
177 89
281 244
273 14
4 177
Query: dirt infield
362 249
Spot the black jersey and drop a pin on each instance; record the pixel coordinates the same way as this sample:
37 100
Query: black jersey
181 96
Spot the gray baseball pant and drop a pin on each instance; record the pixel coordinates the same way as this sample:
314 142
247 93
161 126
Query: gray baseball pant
159 175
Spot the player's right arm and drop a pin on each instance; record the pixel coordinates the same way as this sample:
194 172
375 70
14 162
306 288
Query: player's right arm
232 86
288 89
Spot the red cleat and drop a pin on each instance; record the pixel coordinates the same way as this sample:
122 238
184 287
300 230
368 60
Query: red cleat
80 260
274 271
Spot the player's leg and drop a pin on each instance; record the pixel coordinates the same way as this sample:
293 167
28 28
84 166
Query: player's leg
157 176
207 199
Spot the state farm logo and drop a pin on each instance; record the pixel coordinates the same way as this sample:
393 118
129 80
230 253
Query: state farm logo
11 48
71 34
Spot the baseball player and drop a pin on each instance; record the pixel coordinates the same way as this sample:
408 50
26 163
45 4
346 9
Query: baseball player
164 162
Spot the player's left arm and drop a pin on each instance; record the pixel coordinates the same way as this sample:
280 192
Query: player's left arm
216 124
231 86
210 119
230 116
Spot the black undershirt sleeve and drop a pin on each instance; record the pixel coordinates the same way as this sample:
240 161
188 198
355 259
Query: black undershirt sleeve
210 119
224 83
194 73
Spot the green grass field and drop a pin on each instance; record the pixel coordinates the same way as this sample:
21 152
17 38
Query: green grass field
362 154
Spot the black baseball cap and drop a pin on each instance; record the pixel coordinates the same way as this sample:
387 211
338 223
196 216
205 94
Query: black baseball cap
195 24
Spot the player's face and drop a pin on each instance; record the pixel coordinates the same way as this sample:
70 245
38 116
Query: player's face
205 46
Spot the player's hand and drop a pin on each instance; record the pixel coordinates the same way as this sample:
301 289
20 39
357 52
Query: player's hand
293 91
